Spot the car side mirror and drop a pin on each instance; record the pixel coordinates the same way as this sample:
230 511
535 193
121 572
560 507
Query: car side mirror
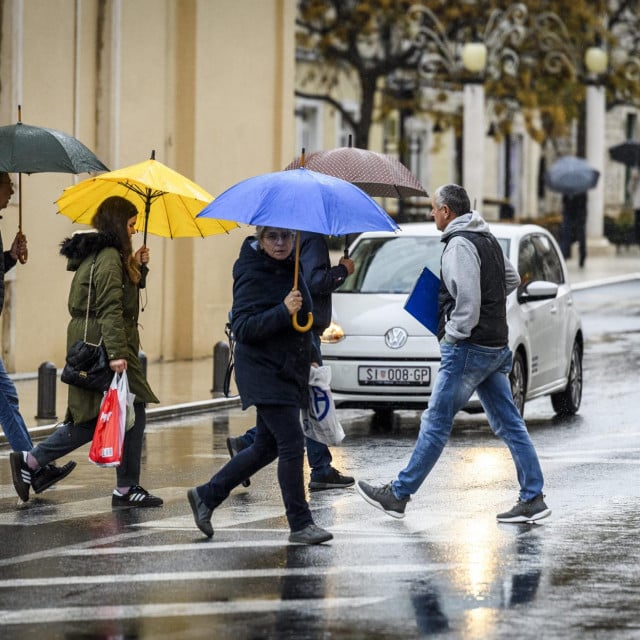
538 290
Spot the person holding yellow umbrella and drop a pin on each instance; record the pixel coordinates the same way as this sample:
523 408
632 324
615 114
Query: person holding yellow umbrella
104 307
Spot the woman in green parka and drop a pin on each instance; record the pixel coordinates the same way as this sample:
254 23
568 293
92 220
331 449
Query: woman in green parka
113 315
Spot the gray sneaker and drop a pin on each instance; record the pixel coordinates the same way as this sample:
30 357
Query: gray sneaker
201 513
526 511
382 498
311 534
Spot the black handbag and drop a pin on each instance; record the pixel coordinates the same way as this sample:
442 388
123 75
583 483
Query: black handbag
87 364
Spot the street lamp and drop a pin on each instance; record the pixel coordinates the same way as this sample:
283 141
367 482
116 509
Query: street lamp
596 63
474 60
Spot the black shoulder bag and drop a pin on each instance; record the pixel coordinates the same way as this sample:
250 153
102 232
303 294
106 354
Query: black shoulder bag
87 364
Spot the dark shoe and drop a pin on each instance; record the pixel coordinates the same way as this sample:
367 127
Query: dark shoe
311 534
382 498
137 497
47 476
201 513
21 474
333 480
234 447
526 511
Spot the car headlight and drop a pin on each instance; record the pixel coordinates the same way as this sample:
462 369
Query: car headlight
333 333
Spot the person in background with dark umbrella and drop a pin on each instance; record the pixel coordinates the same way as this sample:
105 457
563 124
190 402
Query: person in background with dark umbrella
574 223
634 189
322 279
11 419
272 362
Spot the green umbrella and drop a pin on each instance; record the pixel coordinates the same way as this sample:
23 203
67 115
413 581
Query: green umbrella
28 149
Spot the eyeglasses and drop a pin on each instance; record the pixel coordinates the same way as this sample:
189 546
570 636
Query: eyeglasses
274 236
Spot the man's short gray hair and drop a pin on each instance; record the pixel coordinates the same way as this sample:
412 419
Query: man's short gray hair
455 197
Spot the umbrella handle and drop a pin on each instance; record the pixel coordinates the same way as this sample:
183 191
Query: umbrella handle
294 318
299 327
22 257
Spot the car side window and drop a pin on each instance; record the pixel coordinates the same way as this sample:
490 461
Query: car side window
550 260
528 262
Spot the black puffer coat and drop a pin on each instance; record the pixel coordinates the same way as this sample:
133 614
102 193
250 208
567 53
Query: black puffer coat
272 359
113 315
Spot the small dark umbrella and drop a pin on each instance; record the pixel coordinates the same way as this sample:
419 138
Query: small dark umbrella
626 152
28 149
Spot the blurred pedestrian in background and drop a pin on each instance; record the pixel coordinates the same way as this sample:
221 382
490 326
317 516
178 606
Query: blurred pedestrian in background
574 225
634 189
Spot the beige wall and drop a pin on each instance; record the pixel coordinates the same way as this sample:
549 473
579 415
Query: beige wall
207 84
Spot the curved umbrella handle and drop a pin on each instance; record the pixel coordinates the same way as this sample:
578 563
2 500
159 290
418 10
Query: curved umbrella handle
302 328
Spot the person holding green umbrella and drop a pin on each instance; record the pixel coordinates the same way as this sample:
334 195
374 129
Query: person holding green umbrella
11 419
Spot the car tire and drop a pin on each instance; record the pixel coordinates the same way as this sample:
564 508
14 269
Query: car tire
567 402
518 381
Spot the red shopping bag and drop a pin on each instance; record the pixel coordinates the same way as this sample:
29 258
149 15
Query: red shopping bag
108 437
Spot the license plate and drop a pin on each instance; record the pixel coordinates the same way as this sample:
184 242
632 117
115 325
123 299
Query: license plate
400 376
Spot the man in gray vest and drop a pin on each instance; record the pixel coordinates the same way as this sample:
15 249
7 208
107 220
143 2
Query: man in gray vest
475 279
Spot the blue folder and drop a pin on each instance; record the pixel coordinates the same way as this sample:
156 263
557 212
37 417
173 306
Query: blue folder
422 302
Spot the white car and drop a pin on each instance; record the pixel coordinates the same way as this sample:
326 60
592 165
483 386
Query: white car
381 358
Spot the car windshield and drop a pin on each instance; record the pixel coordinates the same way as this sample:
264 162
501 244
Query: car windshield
393 264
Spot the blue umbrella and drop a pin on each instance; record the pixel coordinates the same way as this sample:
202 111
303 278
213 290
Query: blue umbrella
302 200
571 175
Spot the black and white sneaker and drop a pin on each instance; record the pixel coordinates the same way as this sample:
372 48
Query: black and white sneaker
526 511
332 480
137 497
20 474
47 476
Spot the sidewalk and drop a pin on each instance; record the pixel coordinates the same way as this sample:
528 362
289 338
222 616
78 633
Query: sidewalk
184 386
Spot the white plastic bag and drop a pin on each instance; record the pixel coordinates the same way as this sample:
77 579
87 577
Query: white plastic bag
320 421
124 395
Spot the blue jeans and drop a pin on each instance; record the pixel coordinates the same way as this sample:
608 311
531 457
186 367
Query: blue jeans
10 419
278 435
466 368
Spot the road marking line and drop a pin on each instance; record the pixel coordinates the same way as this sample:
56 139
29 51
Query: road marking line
231 574
175 609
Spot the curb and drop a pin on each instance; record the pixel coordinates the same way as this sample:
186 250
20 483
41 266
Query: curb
153 415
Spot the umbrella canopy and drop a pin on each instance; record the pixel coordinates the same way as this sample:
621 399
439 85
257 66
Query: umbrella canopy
571 175
27 149
303 200
171 201
375 173
626 152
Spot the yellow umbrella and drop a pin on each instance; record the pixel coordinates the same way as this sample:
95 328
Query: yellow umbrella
171 201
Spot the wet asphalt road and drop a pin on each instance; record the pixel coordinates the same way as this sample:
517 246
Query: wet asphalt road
70 567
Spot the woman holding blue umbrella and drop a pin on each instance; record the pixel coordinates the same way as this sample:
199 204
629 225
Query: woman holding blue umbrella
272 362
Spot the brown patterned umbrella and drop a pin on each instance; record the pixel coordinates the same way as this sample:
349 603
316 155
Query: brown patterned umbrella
377 174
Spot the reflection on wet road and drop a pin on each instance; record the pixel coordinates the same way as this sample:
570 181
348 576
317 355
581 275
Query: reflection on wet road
71 567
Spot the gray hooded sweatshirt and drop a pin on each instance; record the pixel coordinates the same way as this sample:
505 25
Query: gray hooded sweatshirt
461 273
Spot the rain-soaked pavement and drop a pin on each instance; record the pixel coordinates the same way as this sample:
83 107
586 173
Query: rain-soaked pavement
70 567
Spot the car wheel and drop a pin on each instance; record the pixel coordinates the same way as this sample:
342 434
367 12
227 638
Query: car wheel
567 402
518 380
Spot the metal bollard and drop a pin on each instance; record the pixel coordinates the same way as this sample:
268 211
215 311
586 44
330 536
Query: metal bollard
220 363
142 356
47 377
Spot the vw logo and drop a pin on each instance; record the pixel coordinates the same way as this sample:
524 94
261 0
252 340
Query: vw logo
395 338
